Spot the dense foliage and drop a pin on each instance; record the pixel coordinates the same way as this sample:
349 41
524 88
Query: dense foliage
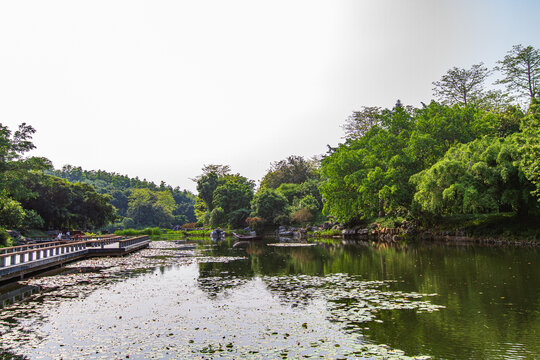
138 203
224 198
29 199
529 146
478 177
289 193
473 152
293 170
65 205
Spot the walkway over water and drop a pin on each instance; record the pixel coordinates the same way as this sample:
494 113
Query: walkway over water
18 261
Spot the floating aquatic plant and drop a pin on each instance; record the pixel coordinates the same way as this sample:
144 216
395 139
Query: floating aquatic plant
155 304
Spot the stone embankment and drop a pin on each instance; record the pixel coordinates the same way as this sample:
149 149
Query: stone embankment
409 232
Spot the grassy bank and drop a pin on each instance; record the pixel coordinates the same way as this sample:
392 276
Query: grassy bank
134 232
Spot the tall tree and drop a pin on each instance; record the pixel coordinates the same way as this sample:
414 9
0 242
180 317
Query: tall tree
151 208
234 192
461 86
529 146
14 166
228 194
269 204
361 121
521 68
62 204
293 170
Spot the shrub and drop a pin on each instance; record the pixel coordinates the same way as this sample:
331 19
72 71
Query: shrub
255 223
11 212
269 204
32 220
217 217
302 216
5 240
282 219
128 222
133 232
237 218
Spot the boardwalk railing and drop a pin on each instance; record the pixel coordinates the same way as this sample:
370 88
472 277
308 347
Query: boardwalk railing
23 260
34 240
18 248
126 243
26 258
103 241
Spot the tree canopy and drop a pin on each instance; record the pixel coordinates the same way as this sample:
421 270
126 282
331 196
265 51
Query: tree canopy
521 70
461 86
122 190
293 170
477 177
223 197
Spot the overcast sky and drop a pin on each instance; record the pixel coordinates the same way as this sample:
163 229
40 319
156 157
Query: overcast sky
157 89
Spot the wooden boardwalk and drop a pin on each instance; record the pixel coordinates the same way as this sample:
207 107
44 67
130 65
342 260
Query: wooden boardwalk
19 261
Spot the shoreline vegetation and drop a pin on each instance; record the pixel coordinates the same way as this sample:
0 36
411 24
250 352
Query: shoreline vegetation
488 229
464 166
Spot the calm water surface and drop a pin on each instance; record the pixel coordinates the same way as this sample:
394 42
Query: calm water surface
354 300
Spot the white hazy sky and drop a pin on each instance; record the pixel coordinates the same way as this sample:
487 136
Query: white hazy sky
156 89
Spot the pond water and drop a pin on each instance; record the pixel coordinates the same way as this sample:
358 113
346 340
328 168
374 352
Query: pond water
270 299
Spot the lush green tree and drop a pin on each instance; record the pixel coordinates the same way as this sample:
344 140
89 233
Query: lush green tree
233 192
369 176
521 70
185 206
305 209
88 209
119 188
32 220
62 204
151 208
361 177
14 166
478 177
461 86
12 214
217 217
304 195
269 204
218 188
237 218
529 146
201 211
293 170
120 200
206 185
504 122
290 191
52 200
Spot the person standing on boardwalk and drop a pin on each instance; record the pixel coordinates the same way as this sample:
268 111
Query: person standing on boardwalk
59 237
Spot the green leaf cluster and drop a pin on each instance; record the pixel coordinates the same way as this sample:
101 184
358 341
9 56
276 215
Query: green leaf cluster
65 205
224 199
479 177
138 203
289 193
462 161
